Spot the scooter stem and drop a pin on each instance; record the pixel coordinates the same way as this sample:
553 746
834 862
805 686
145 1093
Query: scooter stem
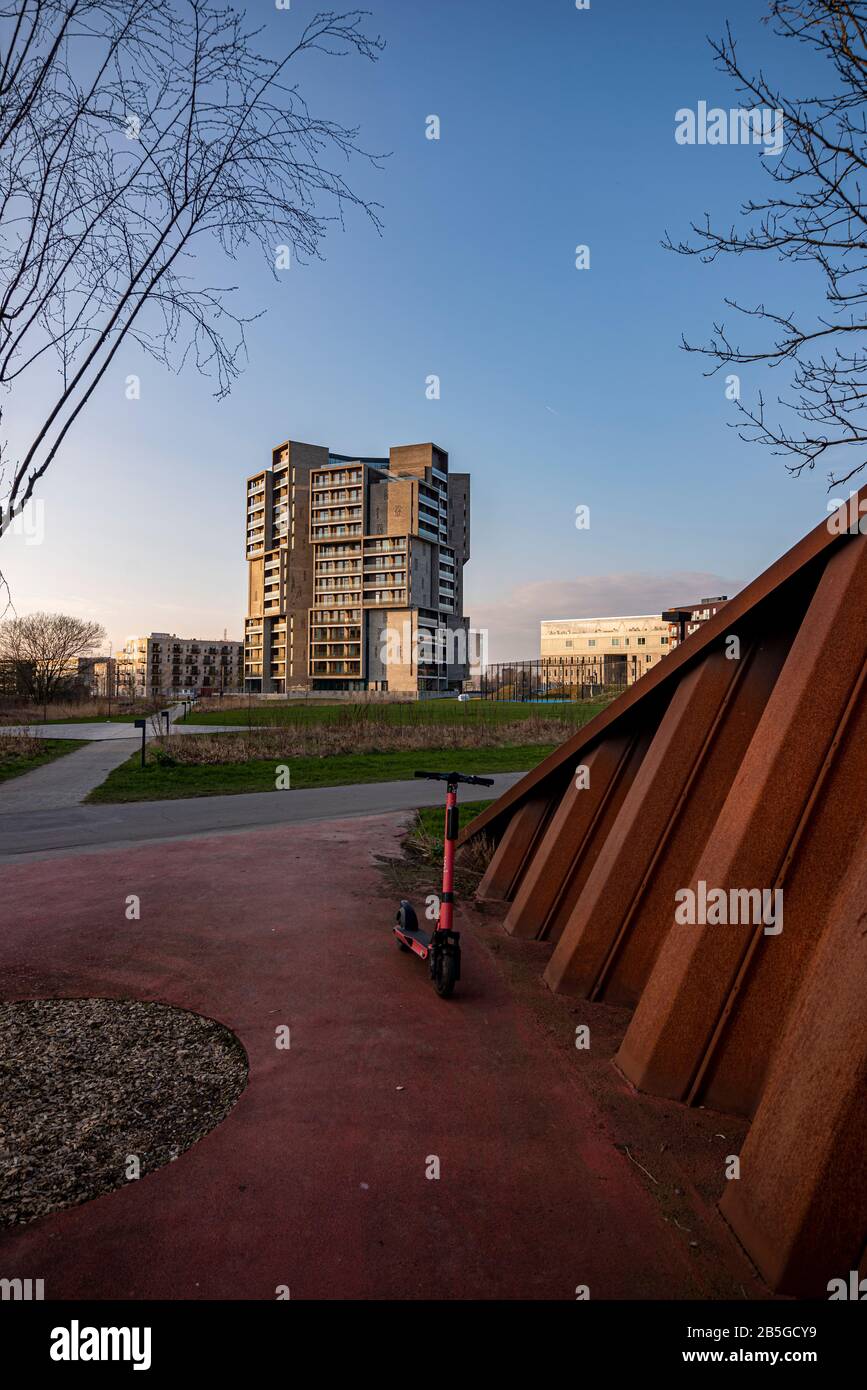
446 913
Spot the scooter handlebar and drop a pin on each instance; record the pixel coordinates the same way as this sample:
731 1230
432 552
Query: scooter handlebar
456 777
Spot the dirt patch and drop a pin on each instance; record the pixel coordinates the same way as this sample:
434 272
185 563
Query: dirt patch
97 1092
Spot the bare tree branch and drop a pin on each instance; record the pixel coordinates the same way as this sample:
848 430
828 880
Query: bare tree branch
131 131
816 215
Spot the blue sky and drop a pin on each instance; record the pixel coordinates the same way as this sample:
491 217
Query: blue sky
558 387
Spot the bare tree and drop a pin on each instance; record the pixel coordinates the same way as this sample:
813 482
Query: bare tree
132 132
42 649
815 214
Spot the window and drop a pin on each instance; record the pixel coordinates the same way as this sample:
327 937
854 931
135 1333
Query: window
591 641
663 641
642 641
569 643
615 641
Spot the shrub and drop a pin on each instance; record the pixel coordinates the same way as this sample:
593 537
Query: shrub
14 746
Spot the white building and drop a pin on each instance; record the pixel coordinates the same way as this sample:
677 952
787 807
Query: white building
605 651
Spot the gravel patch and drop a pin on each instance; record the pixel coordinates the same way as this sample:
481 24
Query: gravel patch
89 1085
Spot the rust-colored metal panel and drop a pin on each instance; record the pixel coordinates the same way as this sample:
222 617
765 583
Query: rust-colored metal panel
698 974
632 958
577 819
513 850
741 776
573 884
800 1205
821 859
638 836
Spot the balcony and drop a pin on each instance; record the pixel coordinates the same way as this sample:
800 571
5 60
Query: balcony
335 615
323 518
385 598
335 634
334 651
327 533
324 497
337 584
336 668
387 546
344 477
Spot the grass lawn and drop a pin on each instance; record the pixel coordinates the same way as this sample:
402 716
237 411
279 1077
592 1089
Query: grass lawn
429 823
50 749
131 782
409 713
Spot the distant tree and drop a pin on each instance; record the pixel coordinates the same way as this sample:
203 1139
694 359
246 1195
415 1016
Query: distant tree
132 134
44 649
815 214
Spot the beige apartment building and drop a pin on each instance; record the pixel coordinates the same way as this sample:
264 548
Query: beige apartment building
163 663
604 651
356 571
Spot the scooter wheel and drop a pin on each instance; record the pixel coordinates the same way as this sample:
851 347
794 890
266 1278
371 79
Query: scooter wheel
400 944
445 977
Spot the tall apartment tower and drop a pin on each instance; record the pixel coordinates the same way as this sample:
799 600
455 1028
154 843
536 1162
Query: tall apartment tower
356 571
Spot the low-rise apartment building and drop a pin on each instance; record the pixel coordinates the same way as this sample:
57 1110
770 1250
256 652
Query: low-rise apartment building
356 571
163 663
604 651
97 675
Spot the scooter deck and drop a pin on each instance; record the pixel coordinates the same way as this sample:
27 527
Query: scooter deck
418 941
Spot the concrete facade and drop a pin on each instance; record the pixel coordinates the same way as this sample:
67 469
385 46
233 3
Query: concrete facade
356 572
164 663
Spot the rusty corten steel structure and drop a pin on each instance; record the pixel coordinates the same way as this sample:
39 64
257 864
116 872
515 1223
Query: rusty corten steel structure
744 772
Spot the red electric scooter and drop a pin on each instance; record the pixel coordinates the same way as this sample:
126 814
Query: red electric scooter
442 946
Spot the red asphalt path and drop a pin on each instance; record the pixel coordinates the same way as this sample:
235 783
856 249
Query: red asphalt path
316 1180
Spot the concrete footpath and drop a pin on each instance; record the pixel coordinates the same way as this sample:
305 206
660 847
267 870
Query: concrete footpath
319 1177
35 832
65 781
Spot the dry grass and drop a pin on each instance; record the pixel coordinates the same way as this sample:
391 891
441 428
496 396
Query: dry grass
475 856
348 700
73 709
329 740
419 869
20 746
